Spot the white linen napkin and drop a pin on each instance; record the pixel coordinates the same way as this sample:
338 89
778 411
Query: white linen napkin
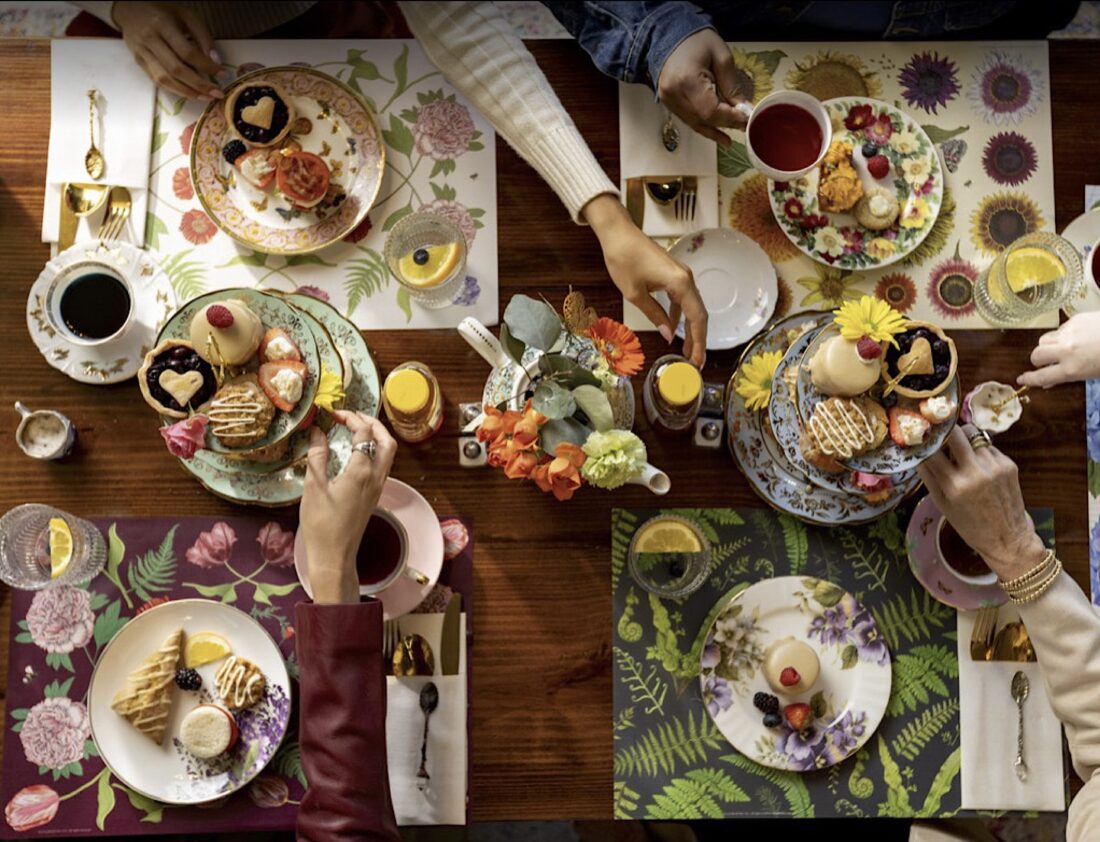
124 128
641 153
988 732
444 799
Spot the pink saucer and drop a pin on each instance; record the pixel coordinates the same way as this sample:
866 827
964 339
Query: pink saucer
928 566
425 549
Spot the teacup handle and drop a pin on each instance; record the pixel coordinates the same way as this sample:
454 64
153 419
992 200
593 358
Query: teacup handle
416 576
479 338
21 409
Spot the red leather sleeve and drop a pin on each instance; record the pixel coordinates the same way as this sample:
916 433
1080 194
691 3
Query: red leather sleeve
342 724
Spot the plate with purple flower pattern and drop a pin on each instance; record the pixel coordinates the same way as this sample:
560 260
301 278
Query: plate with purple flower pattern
848 699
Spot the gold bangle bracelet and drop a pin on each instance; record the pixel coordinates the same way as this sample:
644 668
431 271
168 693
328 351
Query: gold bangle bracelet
1034 573
1040 589
1030 587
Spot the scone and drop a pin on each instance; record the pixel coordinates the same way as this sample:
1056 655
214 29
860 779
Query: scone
240 413
878 209
846 427
146 698
240 683
261 113
839 186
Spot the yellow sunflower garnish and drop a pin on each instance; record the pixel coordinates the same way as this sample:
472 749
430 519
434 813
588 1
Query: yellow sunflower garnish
330 389
869 317
755 382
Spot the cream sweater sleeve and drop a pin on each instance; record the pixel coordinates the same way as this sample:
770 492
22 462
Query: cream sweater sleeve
482 57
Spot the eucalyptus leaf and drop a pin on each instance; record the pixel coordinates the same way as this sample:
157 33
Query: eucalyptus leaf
553 401
594 403
532 322
513 347
566 371
554 433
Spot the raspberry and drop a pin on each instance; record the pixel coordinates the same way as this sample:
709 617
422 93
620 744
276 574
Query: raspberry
789 677
878 166
219 316
868 348
766 703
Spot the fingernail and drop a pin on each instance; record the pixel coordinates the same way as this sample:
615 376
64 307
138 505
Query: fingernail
214 57
666 333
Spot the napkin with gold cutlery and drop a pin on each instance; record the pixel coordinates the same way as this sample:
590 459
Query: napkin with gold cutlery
442 798
988 730
123 128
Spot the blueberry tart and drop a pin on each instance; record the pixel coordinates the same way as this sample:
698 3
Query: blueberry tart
261 113
928 354
175 379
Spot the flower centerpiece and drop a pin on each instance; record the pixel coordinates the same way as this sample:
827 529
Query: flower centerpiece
566 434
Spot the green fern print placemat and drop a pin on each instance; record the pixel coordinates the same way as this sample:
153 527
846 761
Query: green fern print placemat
670 760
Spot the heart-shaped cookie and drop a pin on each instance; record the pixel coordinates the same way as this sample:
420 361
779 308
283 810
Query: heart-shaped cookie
260 113
919 358
182 387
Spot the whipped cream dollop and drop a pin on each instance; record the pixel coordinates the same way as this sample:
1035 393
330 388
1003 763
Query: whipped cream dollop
288 384
279 348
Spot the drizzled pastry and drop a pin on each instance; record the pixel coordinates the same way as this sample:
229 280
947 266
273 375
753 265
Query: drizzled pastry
240 413
146 698
240 683
844 427
226 332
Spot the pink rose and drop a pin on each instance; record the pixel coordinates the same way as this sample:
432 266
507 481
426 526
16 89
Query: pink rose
54 732
213 548
457 213
185 438
276 545
455 538
313 292
443 130
31 807
60 619
269 791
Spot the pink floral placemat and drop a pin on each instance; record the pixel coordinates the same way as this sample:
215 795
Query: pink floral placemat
54 783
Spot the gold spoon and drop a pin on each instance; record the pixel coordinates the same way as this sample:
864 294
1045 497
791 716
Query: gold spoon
999 405
94 162
413 656
894 381
77 200
664 191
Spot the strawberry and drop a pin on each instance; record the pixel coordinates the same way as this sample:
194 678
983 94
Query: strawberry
878 166
218 315
798 715
267 381
789 677
907 428
278 333
868 348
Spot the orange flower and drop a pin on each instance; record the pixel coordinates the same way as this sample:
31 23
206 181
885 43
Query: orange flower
619 346
500 452
496 424
563 472
541 474
526 431
521 464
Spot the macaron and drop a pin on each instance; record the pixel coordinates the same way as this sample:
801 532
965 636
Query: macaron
208 731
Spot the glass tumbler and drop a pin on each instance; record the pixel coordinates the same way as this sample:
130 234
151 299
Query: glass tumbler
999 305
25 548
422 231
670 574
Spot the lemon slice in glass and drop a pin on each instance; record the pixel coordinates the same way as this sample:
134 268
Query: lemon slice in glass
61 546
667 536
1031 267
432 270
204 648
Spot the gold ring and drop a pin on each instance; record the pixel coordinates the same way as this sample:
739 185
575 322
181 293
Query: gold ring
979 440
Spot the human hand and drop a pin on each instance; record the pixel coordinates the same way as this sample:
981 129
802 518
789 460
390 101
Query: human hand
979 493
172 45
334 513
698 83
1072 352
638 266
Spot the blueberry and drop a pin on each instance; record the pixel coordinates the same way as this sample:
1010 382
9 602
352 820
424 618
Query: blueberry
890 400
420 257
939 347
233 150
181 353
676 570
869 150
773 720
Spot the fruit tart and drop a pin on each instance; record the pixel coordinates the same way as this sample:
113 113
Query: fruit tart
261 113
927 354
175 379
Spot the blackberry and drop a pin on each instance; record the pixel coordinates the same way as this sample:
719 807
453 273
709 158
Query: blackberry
233 150
773 720
188 679
765 703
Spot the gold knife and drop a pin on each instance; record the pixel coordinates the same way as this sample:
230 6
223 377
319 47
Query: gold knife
635 200
450 646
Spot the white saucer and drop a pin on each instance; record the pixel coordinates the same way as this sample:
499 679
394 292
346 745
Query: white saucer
118 359
1083 233
735 278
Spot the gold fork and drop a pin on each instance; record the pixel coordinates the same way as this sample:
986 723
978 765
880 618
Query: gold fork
119 205
981 638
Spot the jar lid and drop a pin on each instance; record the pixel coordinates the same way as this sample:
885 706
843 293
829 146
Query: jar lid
679 383
407 391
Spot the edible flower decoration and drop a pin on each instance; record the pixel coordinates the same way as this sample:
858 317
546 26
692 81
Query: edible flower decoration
871 317
330 389
619 345
755 382
187 437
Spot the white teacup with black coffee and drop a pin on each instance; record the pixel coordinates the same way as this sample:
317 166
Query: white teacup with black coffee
90 304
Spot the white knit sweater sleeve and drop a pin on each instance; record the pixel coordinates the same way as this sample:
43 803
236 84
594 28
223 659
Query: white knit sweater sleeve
482 57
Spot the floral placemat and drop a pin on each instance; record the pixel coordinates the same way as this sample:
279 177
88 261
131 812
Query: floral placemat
670 760
1092 429
440 156
54 783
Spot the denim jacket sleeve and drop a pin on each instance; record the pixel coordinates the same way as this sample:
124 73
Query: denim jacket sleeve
630 41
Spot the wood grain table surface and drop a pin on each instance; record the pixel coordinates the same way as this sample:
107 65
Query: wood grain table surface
541 706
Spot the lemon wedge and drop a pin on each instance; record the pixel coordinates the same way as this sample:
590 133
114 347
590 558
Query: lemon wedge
204 648
61 546
1031 267
432 271
667 536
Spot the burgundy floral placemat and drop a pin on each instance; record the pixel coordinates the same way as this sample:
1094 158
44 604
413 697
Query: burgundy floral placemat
54 783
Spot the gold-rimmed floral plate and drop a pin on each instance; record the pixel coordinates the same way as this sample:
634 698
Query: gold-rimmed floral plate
850 696
342 131
273 311
915 177
117 359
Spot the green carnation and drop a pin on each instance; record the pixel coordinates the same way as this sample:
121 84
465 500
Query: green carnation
614 458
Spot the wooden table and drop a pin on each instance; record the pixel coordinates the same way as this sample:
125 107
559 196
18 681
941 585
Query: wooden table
541 702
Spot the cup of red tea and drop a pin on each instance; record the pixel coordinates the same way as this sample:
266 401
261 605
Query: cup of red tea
383 555
787 135
960 560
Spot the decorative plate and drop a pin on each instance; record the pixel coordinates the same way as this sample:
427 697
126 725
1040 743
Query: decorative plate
889 457
273 312
926 562
735 278
167 773
763 463
344 133
787 430
1084 234
425 549
119 359
852 690
837 239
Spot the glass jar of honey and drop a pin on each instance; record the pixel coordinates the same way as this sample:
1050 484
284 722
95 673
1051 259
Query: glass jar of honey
413 402
672 395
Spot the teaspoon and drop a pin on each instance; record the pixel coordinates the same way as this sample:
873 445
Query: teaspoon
429 701
94 161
